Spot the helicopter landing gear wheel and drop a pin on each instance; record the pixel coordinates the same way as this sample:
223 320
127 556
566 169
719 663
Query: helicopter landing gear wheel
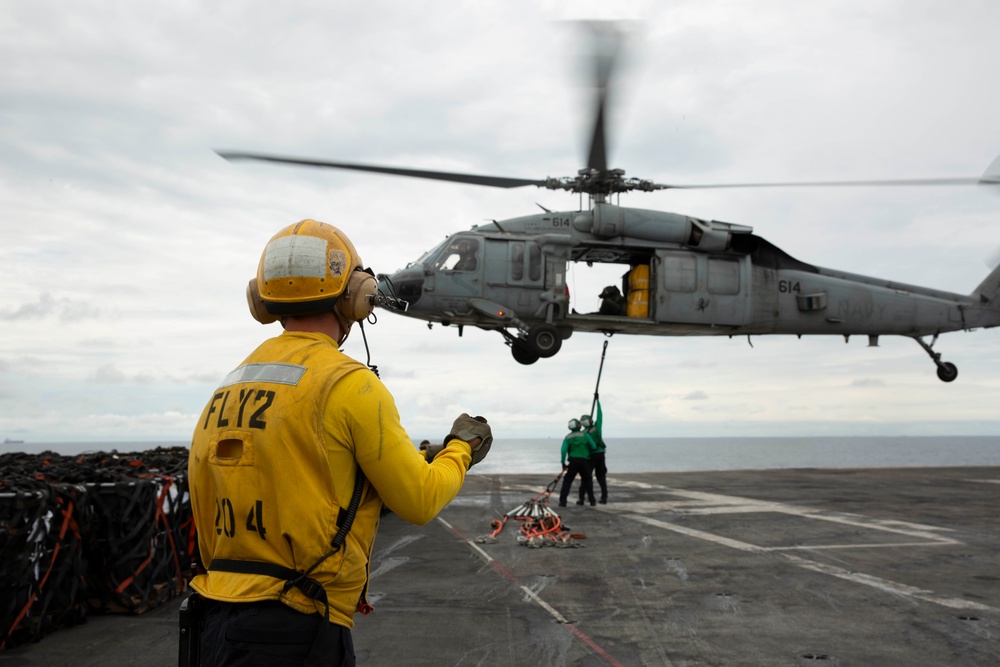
947 371
544 339
523 354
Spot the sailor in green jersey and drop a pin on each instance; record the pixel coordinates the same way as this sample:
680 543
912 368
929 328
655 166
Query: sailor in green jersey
577 447
597 457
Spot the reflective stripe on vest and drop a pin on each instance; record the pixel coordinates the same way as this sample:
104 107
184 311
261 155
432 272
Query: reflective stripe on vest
289 374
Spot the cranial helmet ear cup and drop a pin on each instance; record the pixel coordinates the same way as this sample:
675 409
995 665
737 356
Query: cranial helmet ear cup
256 306
355 303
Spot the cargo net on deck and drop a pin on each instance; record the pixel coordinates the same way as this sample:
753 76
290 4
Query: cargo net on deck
540 525
94 533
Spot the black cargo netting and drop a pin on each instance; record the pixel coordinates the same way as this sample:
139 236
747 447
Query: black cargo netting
95 533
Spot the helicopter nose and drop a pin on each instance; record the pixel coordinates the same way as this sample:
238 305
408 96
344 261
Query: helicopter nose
407 285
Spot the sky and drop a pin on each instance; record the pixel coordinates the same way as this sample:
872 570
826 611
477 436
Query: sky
126 242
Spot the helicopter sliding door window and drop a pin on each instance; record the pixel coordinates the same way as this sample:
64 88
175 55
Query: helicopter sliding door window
723 276
534 262
680 272
517 261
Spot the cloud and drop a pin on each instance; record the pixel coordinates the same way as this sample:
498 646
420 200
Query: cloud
48 306
127 241
108 374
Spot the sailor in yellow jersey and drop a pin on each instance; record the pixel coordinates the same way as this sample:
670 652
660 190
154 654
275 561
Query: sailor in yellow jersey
292 460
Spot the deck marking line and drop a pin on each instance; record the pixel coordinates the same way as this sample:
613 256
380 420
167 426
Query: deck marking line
874 545
856 577
887 585
713 503
534 596
698 534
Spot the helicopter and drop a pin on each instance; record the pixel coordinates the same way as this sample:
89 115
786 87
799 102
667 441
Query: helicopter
680 275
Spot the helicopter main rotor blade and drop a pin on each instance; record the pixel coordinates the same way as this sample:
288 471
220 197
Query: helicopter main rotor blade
985 180
597 159
472 179
990 177
606 43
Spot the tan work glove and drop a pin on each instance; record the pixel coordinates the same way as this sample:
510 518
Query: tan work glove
430 451
471 429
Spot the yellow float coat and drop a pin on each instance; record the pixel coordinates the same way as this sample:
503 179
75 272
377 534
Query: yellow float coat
273 464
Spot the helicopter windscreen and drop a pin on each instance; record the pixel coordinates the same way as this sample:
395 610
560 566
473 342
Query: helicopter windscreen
428 256
460 255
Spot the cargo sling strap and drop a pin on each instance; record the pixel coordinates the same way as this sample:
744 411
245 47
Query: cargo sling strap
301 580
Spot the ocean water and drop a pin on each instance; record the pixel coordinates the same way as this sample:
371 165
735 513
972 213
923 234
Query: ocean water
541 455
679 454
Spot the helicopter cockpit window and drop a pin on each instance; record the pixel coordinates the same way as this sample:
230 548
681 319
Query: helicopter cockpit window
460 255
431 254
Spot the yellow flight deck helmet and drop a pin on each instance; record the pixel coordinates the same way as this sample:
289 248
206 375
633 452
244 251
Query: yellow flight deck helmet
311 267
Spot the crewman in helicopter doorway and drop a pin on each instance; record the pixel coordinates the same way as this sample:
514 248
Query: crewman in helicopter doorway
577 447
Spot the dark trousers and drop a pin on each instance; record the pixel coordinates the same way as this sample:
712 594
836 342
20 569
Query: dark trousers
601 473
585 469
270 634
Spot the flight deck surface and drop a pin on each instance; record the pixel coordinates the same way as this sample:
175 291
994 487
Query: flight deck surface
818 567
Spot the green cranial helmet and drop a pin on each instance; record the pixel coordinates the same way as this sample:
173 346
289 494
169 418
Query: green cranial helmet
574 424
586 421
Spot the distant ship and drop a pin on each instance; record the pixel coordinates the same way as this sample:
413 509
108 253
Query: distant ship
8 441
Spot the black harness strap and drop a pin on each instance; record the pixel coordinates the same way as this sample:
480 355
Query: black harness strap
311 588
253 567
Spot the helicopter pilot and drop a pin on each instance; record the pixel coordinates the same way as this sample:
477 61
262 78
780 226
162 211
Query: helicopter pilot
466 249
